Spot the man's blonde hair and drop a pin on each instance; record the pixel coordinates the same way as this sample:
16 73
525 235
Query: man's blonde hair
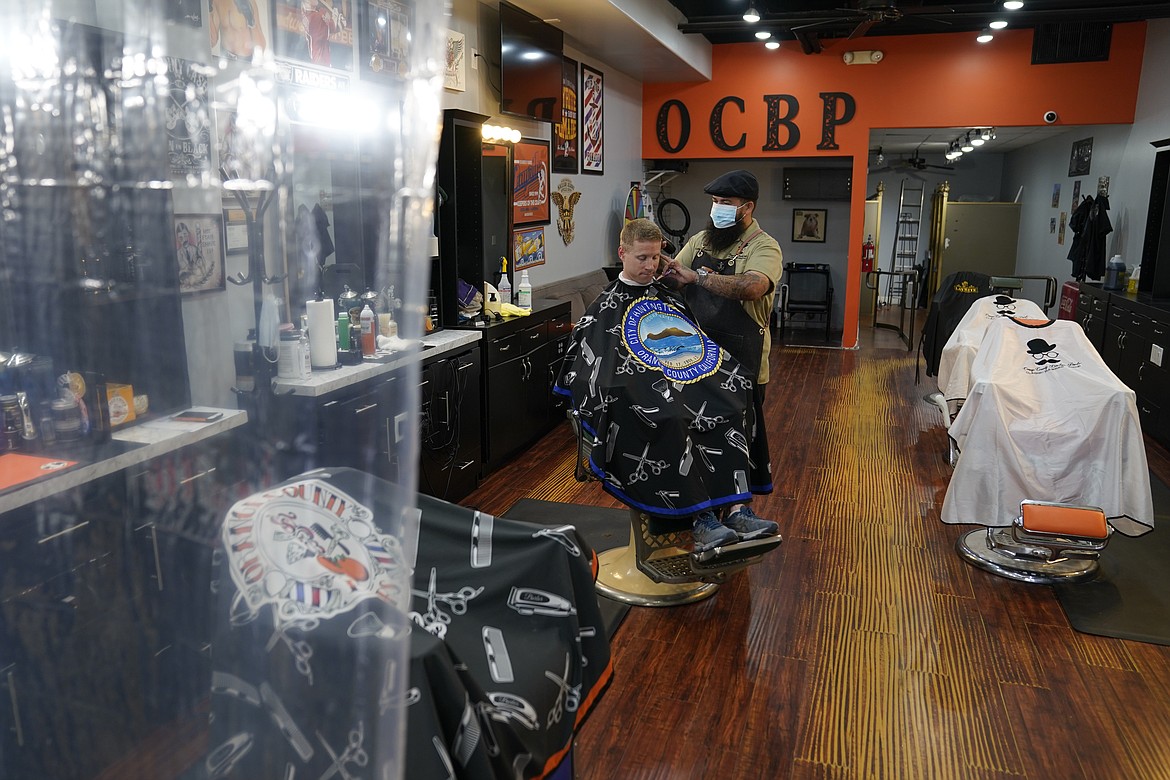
640 230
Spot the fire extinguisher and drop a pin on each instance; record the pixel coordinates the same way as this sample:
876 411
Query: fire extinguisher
867 254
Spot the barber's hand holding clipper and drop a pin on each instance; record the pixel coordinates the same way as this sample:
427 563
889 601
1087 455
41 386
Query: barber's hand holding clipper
678 274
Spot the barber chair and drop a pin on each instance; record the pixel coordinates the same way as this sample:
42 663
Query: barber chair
1048 543
657 568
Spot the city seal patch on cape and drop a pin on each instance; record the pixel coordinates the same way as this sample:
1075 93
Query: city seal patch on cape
660 337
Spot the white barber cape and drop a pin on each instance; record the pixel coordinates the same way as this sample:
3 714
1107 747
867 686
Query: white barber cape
954 364
1046 419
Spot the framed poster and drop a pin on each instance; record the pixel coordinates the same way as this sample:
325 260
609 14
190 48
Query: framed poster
565 131
530 182
527 248
592 125
199 253
188 118
808 225
315 32
228 39
384 37
1081 157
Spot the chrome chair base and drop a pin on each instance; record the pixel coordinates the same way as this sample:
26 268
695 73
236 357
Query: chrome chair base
995 550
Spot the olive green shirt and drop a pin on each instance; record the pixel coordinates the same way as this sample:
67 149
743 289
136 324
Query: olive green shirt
762 254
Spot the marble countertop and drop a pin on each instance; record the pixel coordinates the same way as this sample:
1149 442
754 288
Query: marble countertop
325 382
140 443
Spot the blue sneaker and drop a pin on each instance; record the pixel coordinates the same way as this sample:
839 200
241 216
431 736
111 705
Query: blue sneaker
709 533
748 525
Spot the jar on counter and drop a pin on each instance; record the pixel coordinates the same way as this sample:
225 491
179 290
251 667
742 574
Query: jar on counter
12 426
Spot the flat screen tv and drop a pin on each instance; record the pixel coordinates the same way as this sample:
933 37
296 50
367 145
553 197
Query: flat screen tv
530 65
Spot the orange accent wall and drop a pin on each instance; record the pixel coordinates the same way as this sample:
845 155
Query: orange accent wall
922 81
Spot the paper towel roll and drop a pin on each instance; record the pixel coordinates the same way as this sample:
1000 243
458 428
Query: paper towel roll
322 336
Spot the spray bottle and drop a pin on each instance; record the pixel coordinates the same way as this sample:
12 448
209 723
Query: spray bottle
505 285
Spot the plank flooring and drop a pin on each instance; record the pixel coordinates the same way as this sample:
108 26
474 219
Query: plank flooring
863 647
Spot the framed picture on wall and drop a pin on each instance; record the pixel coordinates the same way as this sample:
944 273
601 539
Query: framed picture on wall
315 33
199 253
530 182
1081 157
384 37
592 126
527 248
808 225
565 136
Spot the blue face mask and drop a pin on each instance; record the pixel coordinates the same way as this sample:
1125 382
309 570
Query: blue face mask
724 215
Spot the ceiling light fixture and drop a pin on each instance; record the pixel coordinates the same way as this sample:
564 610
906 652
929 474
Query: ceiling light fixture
773 45
1013 5
985 37
987 133
763 35
966 145
998 24
751 15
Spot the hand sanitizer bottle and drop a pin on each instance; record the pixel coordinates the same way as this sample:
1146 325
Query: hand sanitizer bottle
524 292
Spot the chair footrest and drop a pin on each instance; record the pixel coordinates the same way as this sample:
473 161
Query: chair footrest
709 565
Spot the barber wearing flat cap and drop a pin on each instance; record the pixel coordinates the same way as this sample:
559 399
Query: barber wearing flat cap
729 273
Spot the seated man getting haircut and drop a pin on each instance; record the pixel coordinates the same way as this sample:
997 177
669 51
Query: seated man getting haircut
669 412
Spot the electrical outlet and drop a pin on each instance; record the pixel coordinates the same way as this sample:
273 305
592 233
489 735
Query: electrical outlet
474 59
400 421
1155 354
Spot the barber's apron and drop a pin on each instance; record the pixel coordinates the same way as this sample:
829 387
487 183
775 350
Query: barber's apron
728 325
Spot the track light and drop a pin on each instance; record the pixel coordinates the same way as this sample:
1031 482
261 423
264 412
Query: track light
1013 5
773 45
751 15
967 145
987 133
763 35
998 24
985 37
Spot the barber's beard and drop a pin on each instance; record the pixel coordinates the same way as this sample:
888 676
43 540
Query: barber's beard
721 238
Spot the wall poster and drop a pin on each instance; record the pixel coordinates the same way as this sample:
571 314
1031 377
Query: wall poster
188 118
565 147
199 253
592 126
530 182
316 32
527 248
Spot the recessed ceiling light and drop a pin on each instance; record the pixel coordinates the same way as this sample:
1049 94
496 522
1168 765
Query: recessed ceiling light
751 15
763 35
772 45
985 37
998 24
1013 5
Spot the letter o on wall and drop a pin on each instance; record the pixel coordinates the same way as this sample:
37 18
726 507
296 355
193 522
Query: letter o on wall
663 122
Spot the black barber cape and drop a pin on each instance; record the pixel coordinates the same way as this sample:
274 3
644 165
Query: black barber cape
315 600
670 413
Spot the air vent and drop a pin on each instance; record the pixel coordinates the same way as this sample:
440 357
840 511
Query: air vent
1071 42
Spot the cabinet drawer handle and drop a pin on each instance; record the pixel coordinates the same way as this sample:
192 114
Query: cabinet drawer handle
464 366
465 465
533 336
364 409
504 348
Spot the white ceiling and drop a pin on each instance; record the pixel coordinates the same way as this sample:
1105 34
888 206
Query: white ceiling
934 141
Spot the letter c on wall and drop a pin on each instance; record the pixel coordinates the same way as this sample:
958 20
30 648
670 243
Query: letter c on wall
717 124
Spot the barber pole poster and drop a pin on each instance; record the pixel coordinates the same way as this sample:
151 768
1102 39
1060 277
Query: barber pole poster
592 129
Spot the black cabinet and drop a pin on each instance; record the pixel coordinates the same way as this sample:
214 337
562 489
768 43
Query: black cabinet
521 358
1092 303
450 448
1134 334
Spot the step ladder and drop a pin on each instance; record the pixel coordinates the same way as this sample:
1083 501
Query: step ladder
910 198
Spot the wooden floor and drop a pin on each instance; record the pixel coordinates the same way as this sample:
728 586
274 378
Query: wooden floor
863 648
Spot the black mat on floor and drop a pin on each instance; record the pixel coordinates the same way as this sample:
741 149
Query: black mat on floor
1128 599
602 528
